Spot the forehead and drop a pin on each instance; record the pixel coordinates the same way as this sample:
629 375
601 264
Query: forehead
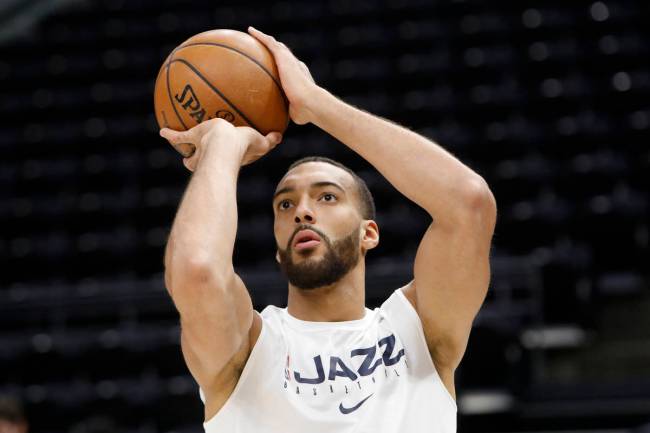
316 171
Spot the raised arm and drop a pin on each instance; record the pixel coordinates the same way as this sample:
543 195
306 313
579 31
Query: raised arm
451 270
215 308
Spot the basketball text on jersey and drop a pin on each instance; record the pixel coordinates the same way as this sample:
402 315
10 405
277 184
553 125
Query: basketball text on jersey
384 352
337 366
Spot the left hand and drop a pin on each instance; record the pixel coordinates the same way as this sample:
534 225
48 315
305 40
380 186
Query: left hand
220 133
296 80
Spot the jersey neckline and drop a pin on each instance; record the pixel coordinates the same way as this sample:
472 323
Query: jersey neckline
309 325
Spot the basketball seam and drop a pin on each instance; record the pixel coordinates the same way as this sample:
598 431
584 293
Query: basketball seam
169 92
252 59
162 112
217 91
166 125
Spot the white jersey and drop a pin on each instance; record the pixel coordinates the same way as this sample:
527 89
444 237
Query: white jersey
372 375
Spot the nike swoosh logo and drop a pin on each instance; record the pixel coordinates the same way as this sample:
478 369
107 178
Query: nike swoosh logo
345 410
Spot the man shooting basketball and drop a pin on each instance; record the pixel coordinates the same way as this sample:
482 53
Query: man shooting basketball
326 363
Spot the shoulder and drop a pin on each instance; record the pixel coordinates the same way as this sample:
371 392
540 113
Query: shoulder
236 365
261 321
226 381
446 374
409 293
394 305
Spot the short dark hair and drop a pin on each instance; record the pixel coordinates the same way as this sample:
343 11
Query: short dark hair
11 410
367 203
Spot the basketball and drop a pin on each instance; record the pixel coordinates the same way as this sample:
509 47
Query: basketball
220 73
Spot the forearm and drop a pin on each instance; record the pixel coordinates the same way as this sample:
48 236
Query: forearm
204 229
417 167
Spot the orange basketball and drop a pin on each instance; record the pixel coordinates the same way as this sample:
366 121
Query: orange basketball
221 73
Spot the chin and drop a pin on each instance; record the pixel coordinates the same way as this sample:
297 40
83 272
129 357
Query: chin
306 254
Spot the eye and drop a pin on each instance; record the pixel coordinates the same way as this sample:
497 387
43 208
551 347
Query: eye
285 204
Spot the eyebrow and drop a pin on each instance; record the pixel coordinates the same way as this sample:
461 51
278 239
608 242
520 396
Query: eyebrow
313 185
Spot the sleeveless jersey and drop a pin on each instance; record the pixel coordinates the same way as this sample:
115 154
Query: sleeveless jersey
372 375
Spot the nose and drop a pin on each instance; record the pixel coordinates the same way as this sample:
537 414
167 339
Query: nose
304 213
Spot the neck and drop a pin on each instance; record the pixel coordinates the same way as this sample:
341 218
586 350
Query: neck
342 301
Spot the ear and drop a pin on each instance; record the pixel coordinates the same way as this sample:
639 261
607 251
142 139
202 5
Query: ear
370 234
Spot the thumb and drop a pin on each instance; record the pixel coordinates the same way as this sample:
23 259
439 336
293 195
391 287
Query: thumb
188 163
274 138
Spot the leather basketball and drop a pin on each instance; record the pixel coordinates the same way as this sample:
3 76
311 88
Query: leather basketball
221 73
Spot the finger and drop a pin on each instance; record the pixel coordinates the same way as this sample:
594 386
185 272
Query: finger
262 37
187 163
171 135
179 141
268 40
185 149
306 69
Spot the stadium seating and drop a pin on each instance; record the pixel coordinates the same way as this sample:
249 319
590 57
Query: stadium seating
548 102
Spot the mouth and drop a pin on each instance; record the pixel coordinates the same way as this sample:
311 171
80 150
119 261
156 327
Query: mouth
306 245
306 239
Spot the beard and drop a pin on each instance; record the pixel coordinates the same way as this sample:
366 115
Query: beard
312 273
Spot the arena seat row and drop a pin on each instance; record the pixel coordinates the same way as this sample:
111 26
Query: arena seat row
549 103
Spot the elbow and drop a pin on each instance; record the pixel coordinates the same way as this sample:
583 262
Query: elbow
478 196
191 268
180 264
184 277
196 266
478 200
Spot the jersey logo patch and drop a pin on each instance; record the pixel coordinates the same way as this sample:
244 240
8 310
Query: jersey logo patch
345 410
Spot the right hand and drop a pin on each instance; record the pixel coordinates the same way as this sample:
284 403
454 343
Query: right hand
219 132
297 82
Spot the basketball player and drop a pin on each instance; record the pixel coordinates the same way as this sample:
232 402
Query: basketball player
326 363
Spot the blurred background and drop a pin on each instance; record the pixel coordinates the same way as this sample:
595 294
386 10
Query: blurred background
548 100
